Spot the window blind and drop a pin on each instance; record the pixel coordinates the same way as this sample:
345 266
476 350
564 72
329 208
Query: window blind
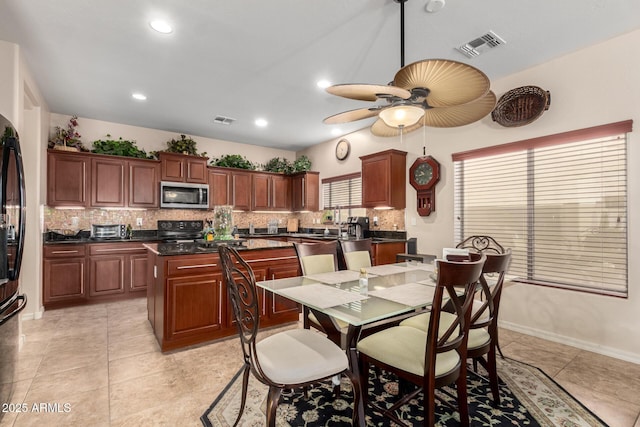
342 191
561 208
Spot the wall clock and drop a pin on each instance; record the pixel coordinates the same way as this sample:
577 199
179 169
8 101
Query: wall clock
424 174
342 149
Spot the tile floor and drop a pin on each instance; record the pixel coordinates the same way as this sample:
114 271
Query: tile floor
103 361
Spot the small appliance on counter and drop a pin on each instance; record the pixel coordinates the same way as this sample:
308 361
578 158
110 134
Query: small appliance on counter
108 231
357 225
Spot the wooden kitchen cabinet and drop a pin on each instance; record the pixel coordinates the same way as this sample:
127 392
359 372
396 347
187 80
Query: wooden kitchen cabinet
183 168
281 308
68 179
117 269
241 190
220 190
305 191
384 179
108 181
144 183
385 253
64 275
270 192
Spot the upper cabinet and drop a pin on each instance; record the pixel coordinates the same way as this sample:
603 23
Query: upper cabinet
241 189
219 187
183 168
270 192
305 191
90 180
68 177
384 179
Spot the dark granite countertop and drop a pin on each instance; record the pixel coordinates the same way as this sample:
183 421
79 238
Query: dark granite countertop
192 248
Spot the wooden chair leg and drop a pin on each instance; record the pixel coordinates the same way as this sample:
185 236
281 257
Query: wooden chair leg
463 405
493 376
429 406
355 382
245 387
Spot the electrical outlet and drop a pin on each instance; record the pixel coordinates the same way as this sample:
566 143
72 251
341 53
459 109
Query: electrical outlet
413 221
139 222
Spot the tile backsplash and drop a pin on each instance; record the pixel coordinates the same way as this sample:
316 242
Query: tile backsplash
81 219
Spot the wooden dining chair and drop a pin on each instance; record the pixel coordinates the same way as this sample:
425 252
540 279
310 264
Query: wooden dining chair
486 244
433 358
483 329
295 358
316 258
356 253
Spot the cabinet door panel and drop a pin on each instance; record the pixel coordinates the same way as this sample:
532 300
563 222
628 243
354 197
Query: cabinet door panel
219 187
195 305
172 169
261 189
64 279
241 185
144 189
68 178
108 182
138 272
281 193
197 170
106 275
281 305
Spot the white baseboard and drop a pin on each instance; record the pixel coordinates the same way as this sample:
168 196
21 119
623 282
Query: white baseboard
33 316
583 345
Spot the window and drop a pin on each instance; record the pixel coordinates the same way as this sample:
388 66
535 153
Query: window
559 202
343 191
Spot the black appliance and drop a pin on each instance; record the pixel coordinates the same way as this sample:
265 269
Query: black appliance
12 227
180 231
357 225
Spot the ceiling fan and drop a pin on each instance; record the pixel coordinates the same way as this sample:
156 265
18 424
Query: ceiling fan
432 92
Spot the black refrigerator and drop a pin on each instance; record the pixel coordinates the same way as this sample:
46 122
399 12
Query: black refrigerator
12 217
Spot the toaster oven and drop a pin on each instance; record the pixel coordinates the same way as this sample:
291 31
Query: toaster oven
108 231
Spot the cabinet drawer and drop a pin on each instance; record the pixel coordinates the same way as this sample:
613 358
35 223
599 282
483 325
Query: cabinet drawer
64 251
188 266
116 248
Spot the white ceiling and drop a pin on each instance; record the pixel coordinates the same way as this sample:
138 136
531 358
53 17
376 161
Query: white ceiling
262 58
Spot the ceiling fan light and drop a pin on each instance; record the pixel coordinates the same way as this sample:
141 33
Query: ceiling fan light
401 116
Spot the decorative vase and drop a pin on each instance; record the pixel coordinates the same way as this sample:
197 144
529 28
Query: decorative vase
222 222
65 148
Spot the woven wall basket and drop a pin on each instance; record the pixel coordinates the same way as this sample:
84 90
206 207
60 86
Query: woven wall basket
521 106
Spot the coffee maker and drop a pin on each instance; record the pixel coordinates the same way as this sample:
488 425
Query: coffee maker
357 225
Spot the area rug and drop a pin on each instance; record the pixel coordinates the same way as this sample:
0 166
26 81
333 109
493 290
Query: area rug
528 398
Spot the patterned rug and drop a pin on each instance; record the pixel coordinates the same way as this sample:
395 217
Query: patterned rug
528 398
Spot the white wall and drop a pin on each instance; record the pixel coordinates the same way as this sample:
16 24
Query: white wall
595 86
154 139
23 105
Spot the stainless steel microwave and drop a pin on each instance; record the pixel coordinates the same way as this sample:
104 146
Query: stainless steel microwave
182 195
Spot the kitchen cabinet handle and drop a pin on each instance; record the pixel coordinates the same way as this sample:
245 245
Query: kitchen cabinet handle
270 259
119 250
64 252
184 267
304 202
220 302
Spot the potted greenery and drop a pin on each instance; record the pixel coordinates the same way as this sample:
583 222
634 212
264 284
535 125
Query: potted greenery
67 139
278 164
233 161
301 164
119 147
184 145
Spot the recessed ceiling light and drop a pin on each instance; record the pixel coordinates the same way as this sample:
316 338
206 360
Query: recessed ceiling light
261 122
161 26
323 84
335 132
434 6
139 96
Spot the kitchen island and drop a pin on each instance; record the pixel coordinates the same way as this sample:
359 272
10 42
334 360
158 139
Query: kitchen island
186 299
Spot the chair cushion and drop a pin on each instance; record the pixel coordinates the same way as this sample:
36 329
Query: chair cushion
316 264
342 325
404 347
421 321
357 260
476 306
478 338
298 356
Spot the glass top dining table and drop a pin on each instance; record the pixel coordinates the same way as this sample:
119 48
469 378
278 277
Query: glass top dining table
393 289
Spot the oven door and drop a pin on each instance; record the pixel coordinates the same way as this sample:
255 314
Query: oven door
184 195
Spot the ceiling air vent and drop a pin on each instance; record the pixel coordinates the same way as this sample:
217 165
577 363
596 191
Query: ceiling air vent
222 120
477 46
